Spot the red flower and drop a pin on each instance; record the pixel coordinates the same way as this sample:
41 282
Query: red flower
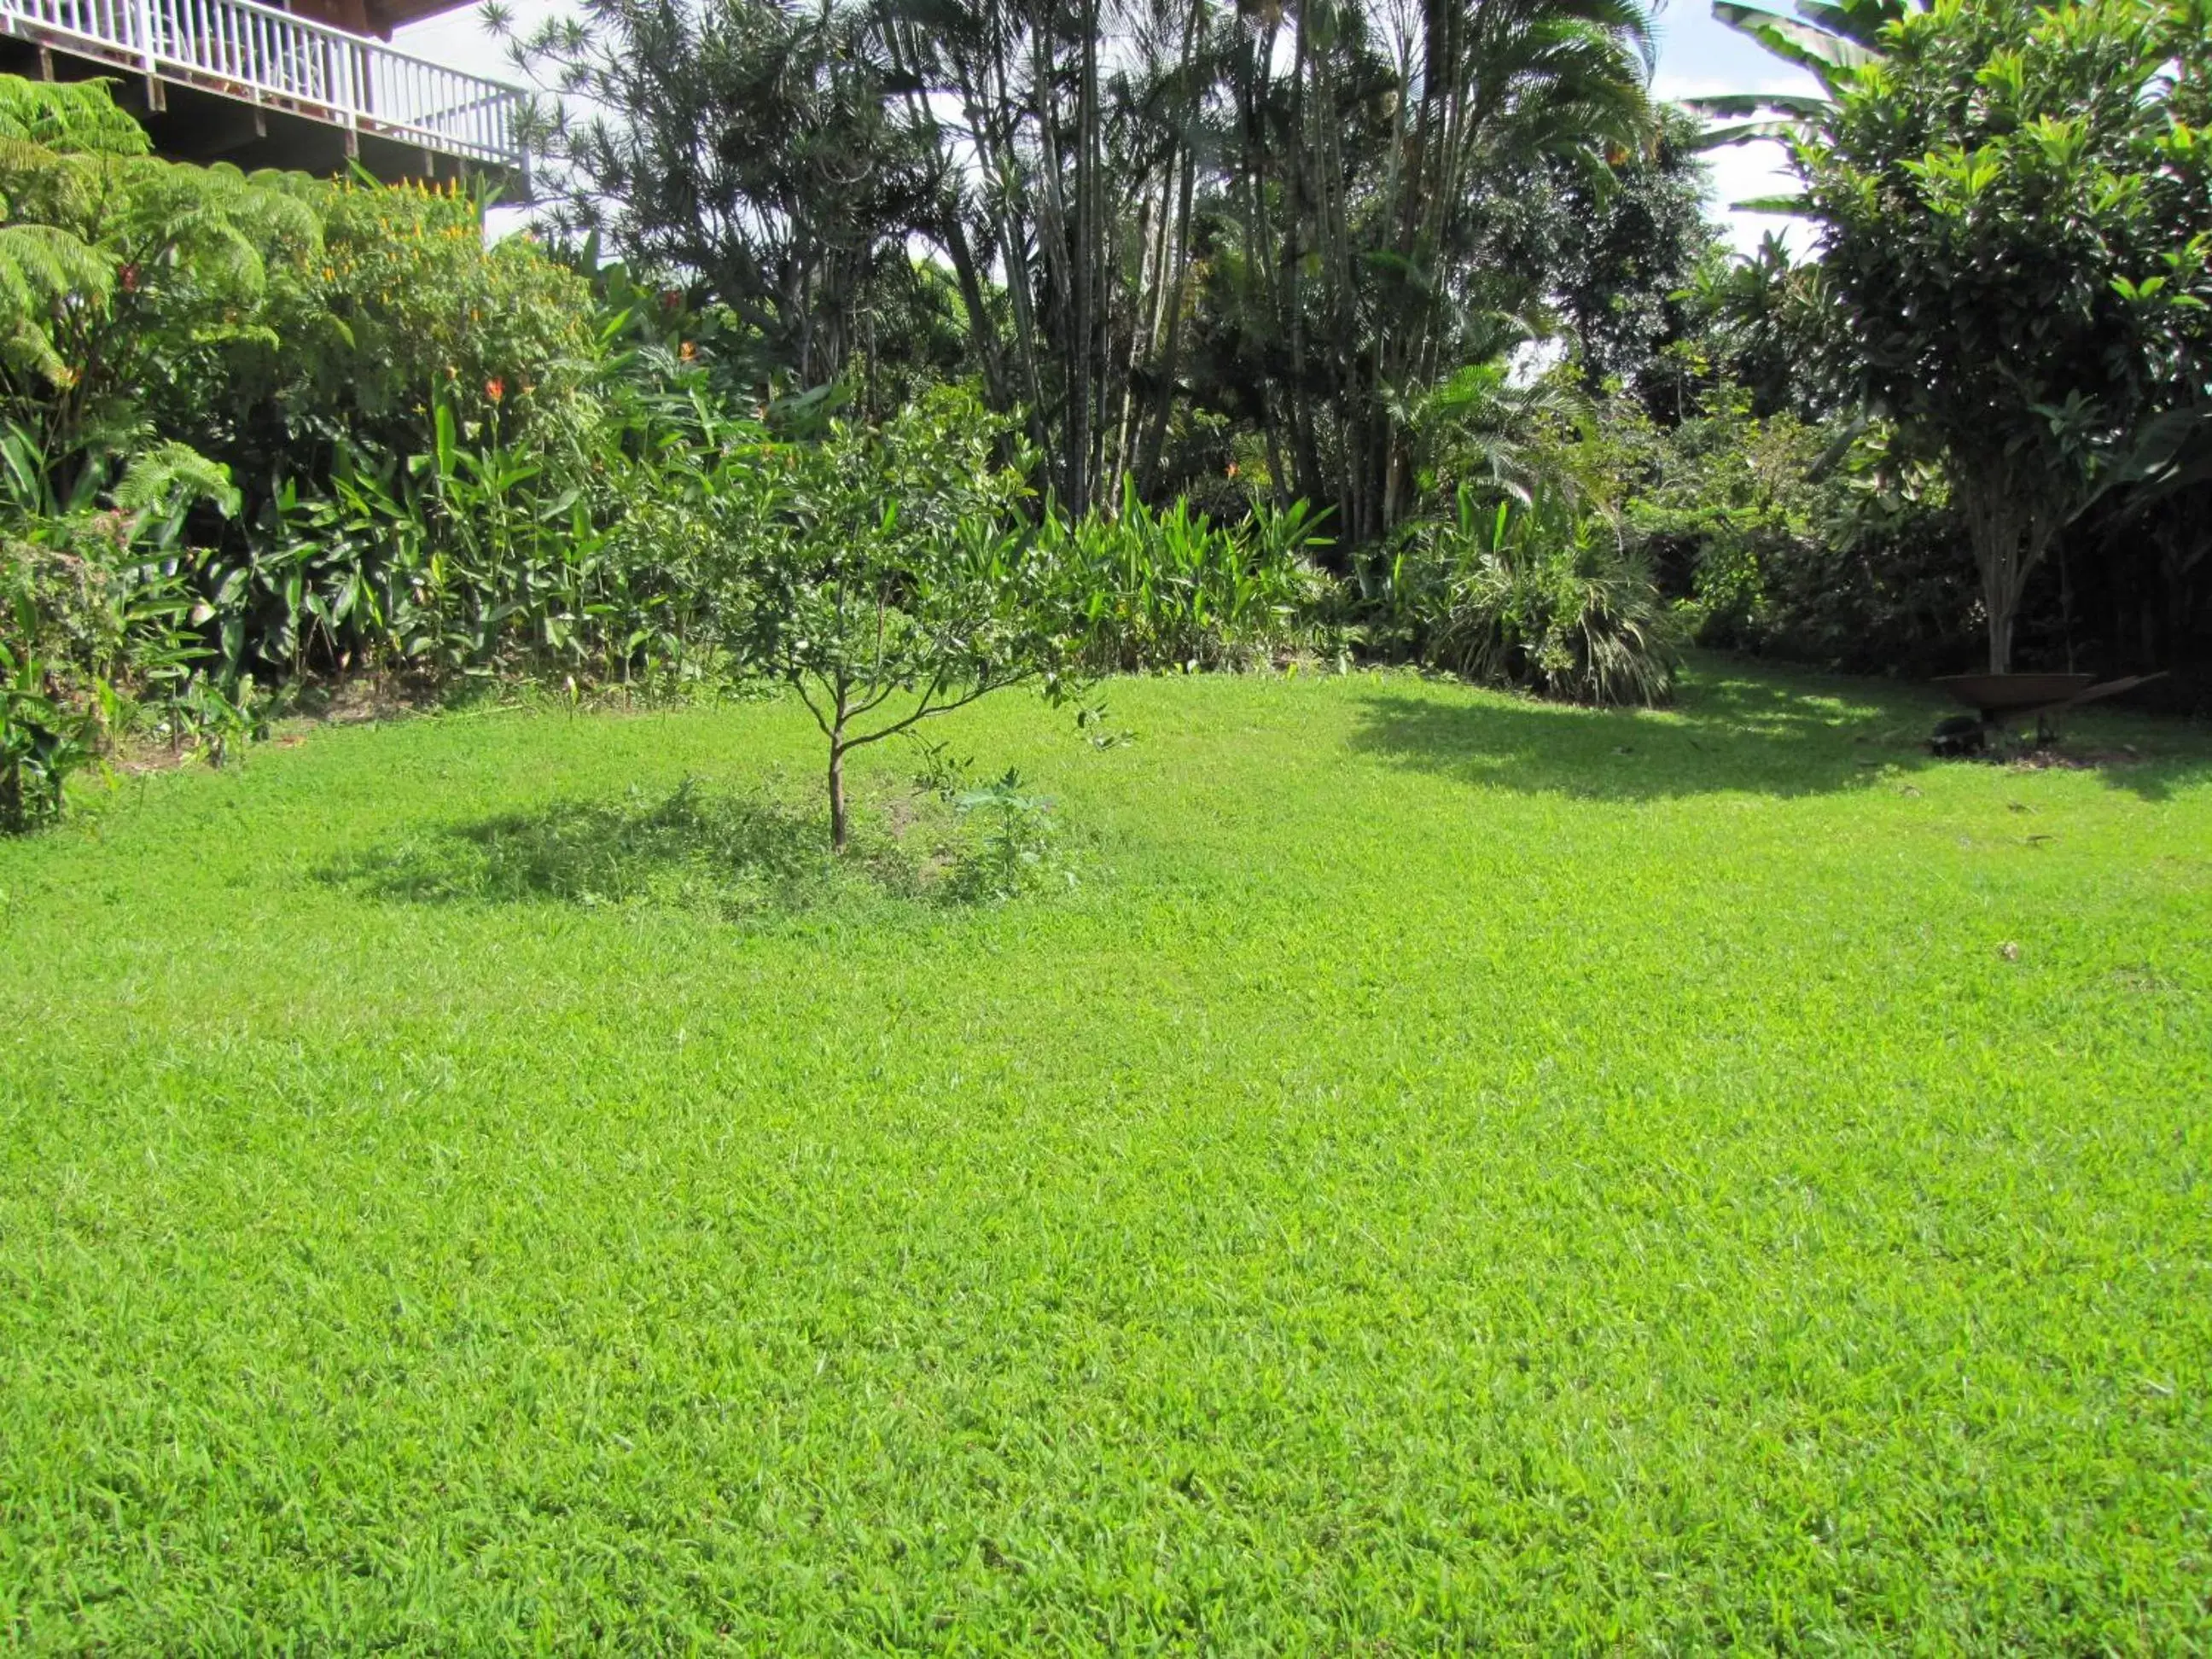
494 389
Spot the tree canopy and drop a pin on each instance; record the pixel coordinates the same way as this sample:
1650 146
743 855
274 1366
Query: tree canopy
2011 205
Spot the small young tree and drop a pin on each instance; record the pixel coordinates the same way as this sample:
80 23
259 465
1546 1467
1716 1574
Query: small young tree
889 576
2011 203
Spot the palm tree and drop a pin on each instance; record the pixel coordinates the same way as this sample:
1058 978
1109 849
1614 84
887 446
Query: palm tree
1344 157
1829 39
1373 140
739 146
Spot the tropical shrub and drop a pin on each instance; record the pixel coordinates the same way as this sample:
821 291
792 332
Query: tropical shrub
2010 209
133 287
1812 540
99 626
482 553
1543 594
422 314
42 740
302 332
567 540
1852 564
1172 588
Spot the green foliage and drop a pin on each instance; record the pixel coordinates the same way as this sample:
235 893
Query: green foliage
1816 541
130 285
478 555
1493 429
1172 589
1224 223
54 140
1013 850
98 621
887 576
757 150
269 321
42 738
1755 322
941 771
422 314
513 539
67 117
2010 204
1631 237
1543 594
177 332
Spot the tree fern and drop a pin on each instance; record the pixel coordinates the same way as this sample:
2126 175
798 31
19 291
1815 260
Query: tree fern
69 118
170 475
41 267
120 271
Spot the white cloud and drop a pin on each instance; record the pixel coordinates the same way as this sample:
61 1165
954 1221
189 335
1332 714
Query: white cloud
1743 171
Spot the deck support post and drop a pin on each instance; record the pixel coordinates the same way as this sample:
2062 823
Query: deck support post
146 58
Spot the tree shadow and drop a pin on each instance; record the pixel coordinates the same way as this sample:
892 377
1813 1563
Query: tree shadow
731 856
1778 734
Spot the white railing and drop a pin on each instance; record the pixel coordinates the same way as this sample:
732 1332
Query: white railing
269 58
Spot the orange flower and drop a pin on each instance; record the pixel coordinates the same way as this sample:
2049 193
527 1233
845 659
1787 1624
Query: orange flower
688 351
494 389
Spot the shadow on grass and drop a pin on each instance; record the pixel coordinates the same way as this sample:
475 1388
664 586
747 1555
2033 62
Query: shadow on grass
1727 731
1730 729
733 857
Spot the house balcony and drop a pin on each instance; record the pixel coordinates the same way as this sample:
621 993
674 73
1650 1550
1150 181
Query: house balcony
237 81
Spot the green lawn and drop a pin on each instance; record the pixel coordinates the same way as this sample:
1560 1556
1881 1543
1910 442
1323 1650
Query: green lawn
1453 1170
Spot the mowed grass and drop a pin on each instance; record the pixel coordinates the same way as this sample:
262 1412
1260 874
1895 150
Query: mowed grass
1453 1171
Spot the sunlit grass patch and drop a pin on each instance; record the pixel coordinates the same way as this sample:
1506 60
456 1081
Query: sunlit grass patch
1452 1171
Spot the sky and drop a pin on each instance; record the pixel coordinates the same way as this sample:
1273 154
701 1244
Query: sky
1698 57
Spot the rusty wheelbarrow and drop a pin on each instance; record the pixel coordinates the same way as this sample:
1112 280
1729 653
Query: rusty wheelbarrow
1997 699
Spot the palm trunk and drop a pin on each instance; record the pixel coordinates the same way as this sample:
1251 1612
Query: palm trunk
1153 436
1082 365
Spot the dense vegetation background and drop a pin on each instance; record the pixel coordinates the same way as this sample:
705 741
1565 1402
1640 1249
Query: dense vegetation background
1180 337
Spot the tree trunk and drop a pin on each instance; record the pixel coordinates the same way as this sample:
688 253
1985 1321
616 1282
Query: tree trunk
837 791
1154 434
2009 536
1082 357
